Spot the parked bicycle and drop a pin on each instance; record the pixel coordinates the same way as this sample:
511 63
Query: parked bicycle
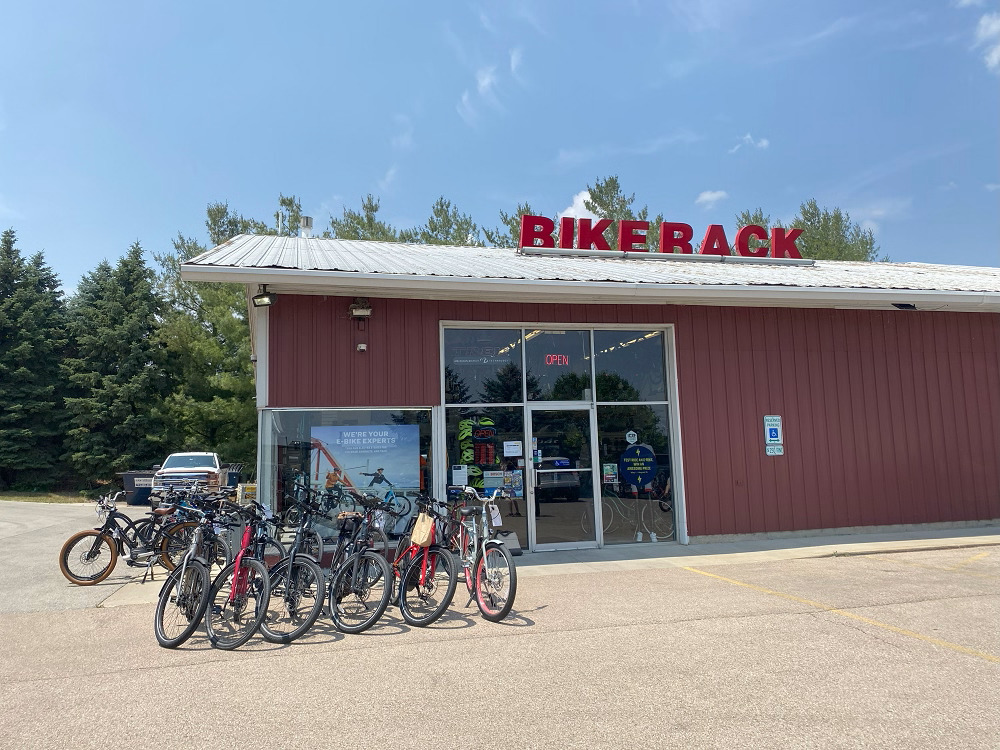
88 557
183 600
298 585
360 580
488 566
240 594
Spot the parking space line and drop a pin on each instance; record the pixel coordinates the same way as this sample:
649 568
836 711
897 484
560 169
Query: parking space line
939 569
867 620
972 559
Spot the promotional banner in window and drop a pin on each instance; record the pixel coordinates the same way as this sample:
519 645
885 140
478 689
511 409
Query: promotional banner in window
376 457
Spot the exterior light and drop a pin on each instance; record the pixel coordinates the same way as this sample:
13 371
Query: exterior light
265 298
360 309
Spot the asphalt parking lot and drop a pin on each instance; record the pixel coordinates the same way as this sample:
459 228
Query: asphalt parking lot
873 650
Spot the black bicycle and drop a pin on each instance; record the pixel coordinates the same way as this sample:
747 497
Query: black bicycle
89 556
361 580
298 586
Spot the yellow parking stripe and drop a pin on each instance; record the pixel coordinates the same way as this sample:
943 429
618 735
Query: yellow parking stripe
972 559
844 613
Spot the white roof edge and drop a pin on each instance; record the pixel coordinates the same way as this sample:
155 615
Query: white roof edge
601 292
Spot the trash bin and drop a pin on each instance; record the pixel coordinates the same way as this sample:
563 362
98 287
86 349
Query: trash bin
138 485
232 475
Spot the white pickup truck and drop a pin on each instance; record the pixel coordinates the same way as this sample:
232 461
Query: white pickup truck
184 468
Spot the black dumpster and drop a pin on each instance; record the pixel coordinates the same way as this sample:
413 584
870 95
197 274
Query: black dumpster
137 485
231 475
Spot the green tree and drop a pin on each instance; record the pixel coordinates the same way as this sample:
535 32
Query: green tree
447 226
607 200
510 234
363 224
115 371
827 234
32 344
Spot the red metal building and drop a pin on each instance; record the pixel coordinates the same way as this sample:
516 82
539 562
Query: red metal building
771 395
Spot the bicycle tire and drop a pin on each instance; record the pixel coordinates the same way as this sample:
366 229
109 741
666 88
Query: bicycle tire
86 560
184 601
496 582
297 595
421 603
658 521
359 591
174 543
312 545
274 553
378 541
229 624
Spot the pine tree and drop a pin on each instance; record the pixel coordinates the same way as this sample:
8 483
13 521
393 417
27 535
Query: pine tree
32 341
116 371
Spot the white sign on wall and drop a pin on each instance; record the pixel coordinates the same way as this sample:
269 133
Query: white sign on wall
772 430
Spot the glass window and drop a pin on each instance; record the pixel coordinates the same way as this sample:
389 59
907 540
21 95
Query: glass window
558 364
630 366
378 451
476 441
482 366
636 494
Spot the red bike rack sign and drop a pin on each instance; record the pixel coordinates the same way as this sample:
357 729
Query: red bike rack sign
675 237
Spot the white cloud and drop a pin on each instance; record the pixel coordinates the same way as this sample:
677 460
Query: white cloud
485 22
465 109
968 3
648 147
871 215
708 198
516 58
950 186
991 186
390 177
988 36
403 140
576 209
748 140
486 79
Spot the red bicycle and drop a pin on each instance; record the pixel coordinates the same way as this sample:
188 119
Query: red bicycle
427 574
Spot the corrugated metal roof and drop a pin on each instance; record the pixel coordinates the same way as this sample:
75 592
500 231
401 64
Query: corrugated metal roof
480 263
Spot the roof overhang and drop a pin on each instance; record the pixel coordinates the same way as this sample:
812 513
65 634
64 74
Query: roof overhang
350 283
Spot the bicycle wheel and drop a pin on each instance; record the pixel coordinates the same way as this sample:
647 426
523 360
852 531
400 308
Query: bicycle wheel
175 542
378 541
658 521
220 554
496 582
274 552
297 593
181 606
427 586
237 603
88 557
359 591
312 545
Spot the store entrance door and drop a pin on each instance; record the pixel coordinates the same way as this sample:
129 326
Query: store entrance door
561 484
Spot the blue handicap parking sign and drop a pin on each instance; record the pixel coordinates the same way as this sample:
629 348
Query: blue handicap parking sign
772 433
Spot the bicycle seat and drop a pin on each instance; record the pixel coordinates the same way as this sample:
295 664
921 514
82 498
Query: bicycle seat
469 511
163 510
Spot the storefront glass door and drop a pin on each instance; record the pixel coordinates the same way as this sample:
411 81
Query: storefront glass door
561 506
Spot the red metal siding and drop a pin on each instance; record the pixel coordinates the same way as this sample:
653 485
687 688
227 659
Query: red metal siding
889 417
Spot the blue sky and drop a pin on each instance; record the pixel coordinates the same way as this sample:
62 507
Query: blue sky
122 121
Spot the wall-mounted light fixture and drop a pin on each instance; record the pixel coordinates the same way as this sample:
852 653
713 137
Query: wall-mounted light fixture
265 298
360 309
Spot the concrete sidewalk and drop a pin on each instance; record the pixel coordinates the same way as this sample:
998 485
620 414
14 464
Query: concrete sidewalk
673 555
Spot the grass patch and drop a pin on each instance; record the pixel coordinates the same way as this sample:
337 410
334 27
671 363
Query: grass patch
43 497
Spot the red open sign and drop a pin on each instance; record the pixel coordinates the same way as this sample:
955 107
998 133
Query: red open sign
556 359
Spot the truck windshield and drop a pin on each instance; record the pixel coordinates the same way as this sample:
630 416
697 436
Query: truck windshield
188 462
